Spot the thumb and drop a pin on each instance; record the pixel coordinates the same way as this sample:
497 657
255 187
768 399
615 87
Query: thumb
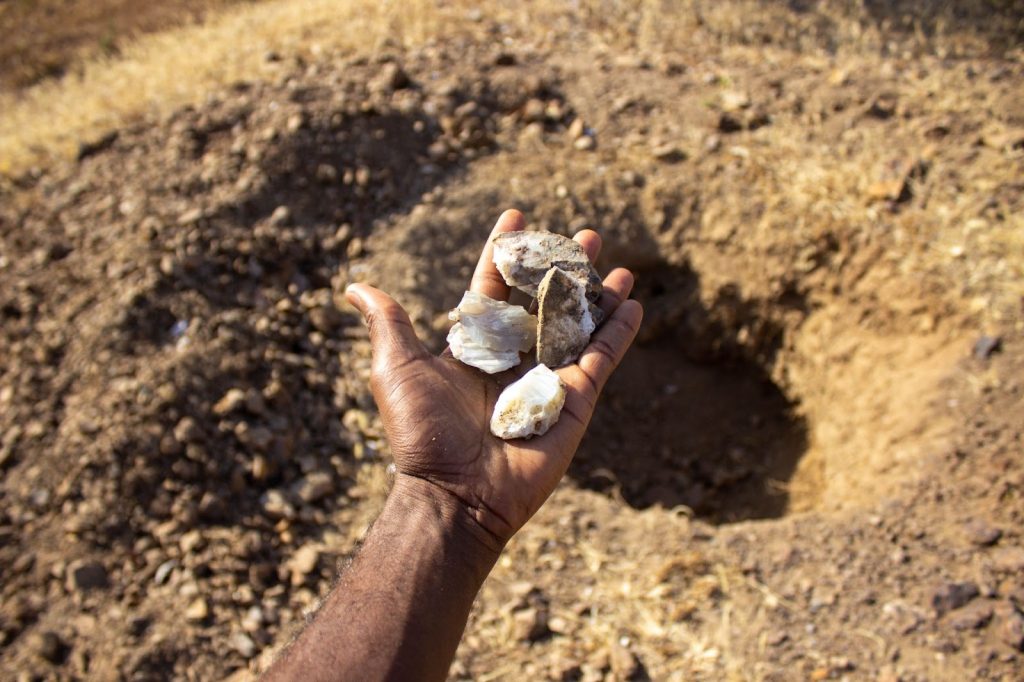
392 336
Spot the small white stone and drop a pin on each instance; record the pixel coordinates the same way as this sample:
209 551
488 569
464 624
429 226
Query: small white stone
530 406
490 334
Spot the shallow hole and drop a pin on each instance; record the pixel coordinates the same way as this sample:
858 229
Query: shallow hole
688 419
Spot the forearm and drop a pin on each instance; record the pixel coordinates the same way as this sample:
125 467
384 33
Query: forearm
400 609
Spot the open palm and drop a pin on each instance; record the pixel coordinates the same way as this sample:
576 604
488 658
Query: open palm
436 411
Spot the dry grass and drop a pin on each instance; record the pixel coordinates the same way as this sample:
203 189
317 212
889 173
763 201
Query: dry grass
46 38
180 66
165 70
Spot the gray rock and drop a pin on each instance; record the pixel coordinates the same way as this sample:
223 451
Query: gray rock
524 258
950 596
566 319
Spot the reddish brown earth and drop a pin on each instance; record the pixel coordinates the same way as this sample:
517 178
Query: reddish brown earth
804 470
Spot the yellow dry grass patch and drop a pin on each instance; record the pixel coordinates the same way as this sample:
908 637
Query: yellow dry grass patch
159 72
169 69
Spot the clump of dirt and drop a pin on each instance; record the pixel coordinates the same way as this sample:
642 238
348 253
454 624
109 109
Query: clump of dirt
801 469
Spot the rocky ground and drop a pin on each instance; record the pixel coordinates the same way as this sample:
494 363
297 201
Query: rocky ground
809 466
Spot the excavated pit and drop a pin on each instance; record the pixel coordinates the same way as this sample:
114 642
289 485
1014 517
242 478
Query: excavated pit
691 418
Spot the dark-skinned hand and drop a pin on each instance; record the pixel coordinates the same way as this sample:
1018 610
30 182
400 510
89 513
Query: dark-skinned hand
436 411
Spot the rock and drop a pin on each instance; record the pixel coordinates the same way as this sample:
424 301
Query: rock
734 100
971 617
187 431
883 106
191 542
391 77
197 611
1009 559
986 346
668 153
530 406
233 400
212 507
164 570
577 129
276 505
950 596
304 562
86 575
243 644
254 619
281 216
585 143
490 334
1010 626
530 624
255 437
727 123
314 487
624 663
49 647
980 533
524 258
565 319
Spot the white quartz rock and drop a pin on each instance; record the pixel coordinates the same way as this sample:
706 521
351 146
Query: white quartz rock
523 258
530 406
490 334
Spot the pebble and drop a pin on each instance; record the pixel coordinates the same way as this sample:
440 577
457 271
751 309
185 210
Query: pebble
187 431
950 596
197 611
971 617
49 646
530 624
243 644
986 346
276 506
1009 559
314 487
1010 627
281 216
163 571
304 562
253 619
980 533
233 400
585 143
86 575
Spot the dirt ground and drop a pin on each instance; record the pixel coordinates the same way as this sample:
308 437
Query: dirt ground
809 467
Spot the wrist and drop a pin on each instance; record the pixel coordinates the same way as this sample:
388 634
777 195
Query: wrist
419 504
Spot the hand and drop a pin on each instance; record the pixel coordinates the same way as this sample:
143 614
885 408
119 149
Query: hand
436 410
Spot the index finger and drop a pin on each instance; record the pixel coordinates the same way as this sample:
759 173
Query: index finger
486 278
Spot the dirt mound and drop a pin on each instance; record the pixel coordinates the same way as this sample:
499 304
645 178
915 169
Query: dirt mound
188 436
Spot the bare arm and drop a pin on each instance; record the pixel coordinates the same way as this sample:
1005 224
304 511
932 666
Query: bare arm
459 495
400 609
